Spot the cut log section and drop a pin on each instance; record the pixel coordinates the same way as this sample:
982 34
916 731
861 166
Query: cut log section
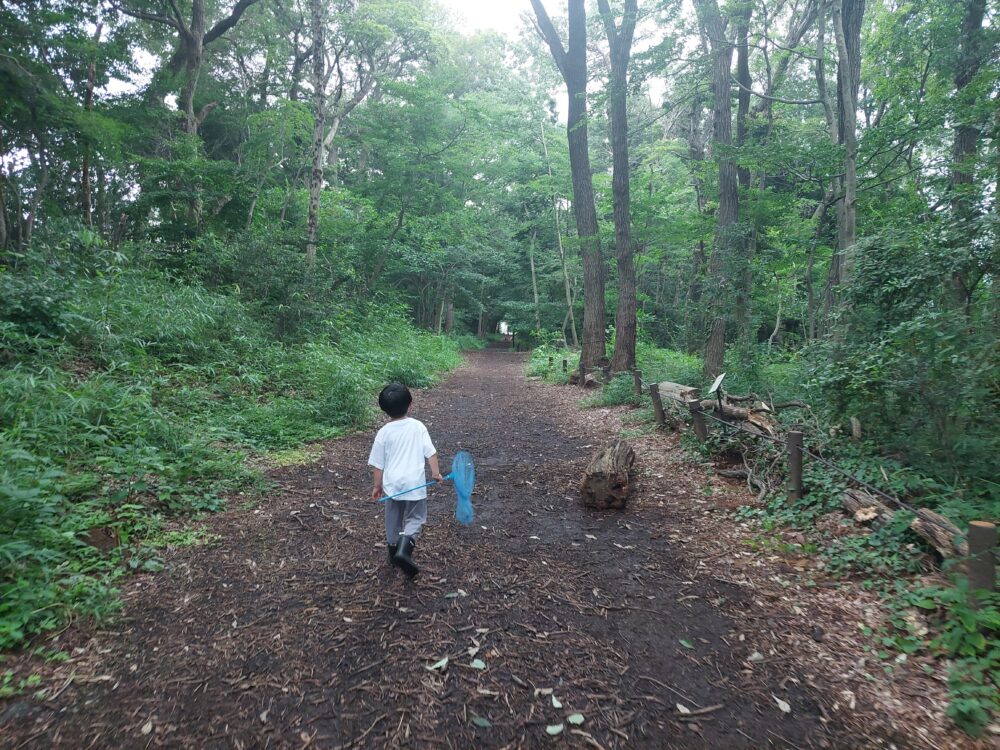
758 419
865 507
606 479
677 392
935 529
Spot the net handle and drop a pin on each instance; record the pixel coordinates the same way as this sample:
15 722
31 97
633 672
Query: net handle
447 477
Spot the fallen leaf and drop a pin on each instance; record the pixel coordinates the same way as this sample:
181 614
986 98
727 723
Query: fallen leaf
147 727
263 716
556 703
554 729
576 719
682 709
478 664
686 643
479 721
783 705
756 656
438 665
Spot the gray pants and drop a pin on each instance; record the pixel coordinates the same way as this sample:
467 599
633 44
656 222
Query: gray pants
404 517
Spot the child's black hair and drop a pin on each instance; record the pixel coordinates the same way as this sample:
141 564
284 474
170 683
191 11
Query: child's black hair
395 400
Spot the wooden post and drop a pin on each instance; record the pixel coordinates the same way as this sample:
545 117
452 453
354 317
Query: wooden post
698 420
981 566
583 374
565 365
794 466
654 393
637 379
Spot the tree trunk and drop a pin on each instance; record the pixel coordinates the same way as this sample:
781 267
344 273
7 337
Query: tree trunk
88 106
964 197
319 111
847 17
725 264
742 19
192 49
534 279
620 42
605 481
572 63
715 349
562 252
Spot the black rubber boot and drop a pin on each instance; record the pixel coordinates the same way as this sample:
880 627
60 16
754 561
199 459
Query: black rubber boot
403 559
392 552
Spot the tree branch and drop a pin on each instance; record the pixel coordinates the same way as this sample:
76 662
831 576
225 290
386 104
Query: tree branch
549 34
769 98
227 23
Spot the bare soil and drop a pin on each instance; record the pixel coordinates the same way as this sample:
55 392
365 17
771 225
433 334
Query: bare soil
291 631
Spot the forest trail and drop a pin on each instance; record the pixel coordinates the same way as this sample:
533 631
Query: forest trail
291 631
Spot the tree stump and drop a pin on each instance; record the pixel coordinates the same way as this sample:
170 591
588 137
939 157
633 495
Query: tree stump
606 479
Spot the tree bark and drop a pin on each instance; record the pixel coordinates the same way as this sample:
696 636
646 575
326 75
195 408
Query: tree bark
723 266
572 64
742 19
964 197
319 112
605 481
620 44
715 349
88 106
847 17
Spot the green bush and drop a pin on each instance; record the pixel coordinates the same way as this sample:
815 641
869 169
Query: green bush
127 396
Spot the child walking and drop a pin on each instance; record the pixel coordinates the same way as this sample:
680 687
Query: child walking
397 460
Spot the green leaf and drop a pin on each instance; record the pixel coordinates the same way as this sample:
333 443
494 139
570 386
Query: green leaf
554 729
556 702
479 721
478 664
440 665
686 643
575 719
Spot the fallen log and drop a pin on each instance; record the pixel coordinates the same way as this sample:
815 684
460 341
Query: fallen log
757 418
940 533
605 481
865 507
935 529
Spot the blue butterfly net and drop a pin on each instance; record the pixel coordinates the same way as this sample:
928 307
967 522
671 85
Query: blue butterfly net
463 475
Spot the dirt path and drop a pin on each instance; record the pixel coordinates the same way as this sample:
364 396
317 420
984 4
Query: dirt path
291 631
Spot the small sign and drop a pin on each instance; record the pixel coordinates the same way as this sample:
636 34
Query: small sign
716 384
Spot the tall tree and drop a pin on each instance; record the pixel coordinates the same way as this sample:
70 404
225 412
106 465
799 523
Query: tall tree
847 17
318 77
572 64
728 243
973 51
620 46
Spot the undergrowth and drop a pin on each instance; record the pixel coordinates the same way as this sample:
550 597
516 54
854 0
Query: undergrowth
128 397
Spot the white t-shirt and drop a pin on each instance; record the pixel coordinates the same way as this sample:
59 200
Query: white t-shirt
400 449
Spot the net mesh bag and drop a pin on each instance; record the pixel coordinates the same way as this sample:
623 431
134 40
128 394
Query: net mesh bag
463 475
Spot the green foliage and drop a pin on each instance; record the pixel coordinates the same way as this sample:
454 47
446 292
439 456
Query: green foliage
127 397
618 391
546 362
965 630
